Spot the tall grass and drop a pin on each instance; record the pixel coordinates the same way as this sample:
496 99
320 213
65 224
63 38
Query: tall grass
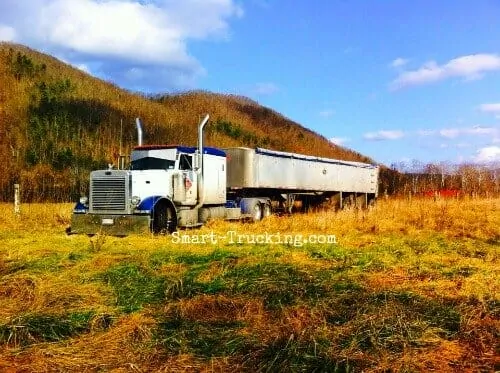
408 286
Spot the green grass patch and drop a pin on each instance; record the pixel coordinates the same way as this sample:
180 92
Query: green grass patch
189 285
392 321
52 262
279 284
287 354
196 259
331 252
35 328
203 339
160 258
135 286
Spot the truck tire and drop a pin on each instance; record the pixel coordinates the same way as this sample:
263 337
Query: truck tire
163 219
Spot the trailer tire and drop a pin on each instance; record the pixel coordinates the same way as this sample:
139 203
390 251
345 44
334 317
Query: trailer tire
371 203
252 208
164 220
266 210
256 211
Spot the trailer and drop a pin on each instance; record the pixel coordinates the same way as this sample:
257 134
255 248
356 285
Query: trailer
286 177
170 186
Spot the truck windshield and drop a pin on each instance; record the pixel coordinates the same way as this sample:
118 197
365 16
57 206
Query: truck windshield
151 163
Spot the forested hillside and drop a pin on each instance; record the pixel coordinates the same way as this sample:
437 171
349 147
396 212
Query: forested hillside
57 123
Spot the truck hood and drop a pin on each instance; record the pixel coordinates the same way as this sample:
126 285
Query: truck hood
149 183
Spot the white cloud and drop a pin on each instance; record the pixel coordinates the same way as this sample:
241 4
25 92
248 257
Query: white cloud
488 154
265 88
479 130
327 113
460 145
124 34
339 140
490 108
469 67
7 33
114 29
399 62
451 133
383 135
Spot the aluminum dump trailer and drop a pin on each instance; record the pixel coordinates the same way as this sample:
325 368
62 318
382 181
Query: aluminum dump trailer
290 172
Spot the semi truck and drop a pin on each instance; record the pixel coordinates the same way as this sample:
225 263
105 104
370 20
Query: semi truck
170 186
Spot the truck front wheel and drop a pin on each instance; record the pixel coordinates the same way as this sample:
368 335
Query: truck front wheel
163 219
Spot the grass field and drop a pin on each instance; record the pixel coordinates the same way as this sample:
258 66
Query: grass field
407 286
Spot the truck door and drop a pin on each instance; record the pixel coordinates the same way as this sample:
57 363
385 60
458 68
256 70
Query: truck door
189 178
221 182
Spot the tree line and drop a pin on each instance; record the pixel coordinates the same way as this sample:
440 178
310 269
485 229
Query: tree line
441 179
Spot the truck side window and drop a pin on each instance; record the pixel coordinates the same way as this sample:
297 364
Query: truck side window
185 162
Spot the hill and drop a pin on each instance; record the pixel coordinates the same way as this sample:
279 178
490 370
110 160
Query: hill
57 123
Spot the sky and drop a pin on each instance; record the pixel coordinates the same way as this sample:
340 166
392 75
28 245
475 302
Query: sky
398 81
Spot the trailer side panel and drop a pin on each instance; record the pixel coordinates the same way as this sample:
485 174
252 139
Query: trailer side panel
265 169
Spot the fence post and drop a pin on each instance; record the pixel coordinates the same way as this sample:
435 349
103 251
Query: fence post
17 200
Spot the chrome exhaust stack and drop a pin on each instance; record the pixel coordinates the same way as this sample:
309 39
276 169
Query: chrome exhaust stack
199 171
139 131
200 141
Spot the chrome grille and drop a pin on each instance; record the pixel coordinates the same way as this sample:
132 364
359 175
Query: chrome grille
108 192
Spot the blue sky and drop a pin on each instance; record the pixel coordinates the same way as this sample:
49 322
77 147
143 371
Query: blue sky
395 80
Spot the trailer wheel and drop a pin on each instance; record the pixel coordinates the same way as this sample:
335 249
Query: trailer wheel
163 219
256 212
371 203
266 210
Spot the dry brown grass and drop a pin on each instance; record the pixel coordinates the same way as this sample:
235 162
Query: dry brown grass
410 286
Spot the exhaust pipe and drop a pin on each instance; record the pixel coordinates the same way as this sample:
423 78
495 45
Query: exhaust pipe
199 171
200 141
139 131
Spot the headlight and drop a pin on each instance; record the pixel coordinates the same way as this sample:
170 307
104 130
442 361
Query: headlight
134 201
84 201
